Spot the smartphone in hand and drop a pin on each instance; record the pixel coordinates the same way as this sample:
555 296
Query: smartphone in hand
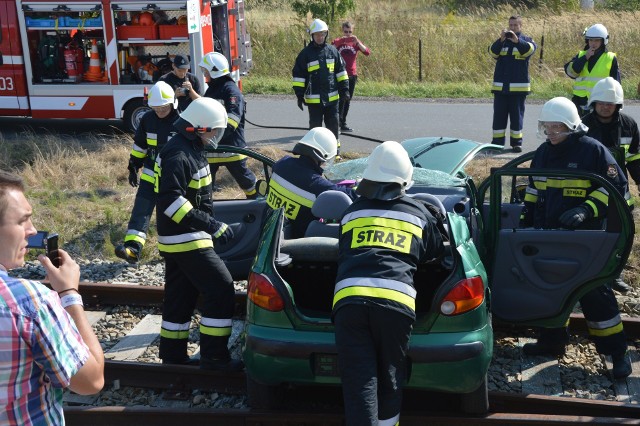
48 242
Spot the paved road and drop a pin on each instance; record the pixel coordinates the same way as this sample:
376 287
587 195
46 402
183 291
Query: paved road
387 120
378 118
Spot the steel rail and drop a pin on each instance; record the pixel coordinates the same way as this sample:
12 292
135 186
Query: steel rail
100 293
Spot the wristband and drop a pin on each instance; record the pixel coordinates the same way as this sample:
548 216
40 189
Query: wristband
71 299
69 289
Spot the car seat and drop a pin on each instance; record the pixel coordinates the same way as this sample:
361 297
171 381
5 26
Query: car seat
329 208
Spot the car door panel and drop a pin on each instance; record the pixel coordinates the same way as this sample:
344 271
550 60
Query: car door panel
537 271
245 218
538 275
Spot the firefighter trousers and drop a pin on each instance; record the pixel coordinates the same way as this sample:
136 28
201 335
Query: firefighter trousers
141 213
328 112
344 103
372 344
188 275
601 312
243 176
508 107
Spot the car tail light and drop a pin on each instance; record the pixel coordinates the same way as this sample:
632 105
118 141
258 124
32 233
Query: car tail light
262 293
468 294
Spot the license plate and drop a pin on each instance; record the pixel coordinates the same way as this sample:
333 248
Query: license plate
325 365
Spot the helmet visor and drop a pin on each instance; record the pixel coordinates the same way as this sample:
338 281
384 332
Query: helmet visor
548 130
212 138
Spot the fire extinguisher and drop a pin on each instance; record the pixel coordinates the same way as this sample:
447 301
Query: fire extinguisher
80 60
70 61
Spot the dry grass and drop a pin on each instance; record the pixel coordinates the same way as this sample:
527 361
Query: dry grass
454 47
80 191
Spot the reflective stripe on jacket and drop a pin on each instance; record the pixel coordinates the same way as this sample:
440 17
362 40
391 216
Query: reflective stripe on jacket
511 74
319 74
586 78
151 135
294 185
621 132
184 206
226 91
547 198
381 245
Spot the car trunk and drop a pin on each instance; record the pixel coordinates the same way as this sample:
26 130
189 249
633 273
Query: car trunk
311 274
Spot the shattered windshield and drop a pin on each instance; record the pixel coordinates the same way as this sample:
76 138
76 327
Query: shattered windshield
353 169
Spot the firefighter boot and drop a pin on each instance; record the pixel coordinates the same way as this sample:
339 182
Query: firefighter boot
552 342
129 251
337 157
621 365
194 360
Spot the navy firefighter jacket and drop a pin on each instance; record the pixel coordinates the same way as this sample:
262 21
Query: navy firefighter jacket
511 75
185 203
548 197
294 185
227 92
381 244
319 74
151 135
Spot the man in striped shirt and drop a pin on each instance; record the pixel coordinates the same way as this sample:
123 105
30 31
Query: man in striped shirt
46 343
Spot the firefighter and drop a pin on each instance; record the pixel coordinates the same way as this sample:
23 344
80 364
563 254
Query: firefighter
511 83
576 204
616 131
155 129
320 79
185 84
590 65
187 231
223 89
296 182
384 235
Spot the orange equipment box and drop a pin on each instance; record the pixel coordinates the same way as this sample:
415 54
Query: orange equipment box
169 32
137 32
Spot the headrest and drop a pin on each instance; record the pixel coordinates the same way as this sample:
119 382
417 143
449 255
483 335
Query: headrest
331 205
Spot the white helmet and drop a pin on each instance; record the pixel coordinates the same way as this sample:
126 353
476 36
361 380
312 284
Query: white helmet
318 25
161 94
560 110
389 163
597 31
322 141
207 112
607 90
216 64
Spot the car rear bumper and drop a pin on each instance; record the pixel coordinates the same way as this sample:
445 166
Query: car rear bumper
446 362
302 350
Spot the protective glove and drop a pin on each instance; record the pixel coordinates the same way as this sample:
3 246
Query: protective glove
345 95
223 235
300 103
133 178
572 218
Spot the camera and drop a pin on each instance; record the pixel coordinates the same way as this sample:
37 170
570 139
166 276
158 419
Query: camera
509 34
48 242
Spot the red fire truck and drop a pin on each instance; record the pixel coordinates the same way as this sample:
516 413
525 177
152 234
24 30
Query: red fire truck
93 58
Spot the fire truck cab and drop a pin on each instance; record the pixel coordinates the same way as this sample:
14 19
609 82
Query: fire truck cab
93 58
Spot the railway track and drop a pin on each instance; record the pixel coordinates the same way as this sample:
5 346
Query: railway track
178 382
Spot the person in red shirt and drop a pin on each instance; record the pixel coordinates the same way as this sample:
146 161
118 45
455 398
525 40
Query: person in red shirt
349 46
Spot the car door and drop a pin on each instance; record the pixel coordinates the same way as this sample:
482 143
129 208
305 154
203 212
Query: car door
537 276
244 216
